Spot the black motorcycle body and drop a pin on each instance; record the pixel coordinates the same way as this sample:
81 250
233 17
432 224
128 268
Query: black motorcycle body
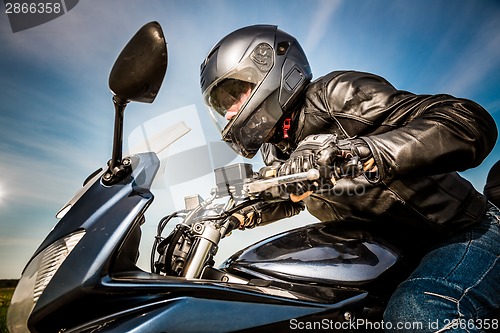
83 277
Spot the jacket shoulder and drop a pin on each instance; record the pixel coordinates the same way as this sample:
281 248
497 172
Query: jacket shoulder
351 77
355 96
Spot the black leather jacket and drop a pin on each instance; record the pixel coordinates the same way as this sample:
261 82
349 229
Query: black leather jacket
418 142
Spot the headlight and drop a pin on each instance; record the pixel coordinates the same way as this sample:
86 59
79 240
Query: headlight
35 279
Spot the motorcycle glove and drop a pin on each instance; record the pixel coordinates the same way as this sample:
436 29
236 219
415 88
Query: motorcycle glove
247 218
333 158
349 159
263 213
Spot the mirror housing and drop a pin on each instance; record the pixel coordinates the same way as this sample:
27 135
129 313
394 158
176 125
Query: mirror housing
139 70
136 76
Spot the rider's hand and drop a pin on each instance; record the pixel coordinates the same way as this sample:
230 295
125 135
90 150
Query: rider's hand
332 157
302 159
346 159
262 213
246 218
305 156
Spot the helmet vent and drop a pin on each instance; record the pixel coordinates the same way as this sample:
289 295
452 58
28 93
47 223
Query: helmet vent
282 48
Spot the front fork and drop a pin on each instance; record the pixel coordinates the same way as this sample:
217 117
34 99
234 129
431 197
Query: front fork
207 240
207 236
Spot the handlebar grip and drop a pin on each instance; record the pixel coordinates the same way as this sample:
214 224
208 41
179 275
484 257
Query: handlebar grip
262 185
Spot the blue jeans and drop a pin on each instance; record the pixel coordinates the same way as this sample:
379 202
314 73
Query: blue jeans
456 287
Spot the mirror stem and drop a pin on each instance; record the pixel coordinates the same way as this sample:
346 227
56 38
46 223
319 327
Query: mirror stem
116 159
116 166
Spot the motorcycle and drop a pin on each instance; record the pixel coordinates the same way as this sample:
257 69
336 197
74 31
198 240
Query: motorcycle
84 277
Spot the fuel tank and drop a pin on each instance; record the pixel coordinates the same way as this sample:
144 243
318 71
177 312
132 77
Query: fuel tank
343 254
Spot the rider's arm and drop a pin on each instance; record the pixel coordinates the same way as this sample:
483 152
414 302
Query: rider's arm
448 135
412 135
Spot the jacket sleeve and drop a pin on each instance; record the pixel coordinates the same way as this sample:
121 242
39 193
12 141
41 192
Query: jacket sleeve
418 135
263 213
449 135
273 212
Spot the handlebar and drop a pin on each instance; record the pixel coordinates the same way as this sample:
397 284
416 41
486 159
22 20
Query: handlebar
190 246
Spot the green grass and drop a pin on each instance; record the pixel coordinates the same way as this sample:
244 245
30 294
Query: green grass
5 296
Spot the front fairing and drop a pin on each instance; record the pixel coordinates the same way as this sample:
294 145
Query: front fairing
100 197
103 217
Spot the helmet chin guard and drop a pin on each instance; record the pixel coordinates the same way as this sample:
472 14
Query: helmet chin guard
247 138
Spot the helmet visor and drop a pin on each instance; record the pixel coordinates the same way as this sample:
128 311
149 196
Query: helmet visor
234 97
232 90
229 94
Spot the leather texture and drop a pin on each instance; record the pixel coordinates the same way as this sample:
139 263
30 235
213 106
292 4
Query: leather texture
419 142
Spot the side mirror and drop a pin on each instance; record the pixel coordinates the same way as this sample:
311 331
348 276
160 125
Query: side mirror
139 70
136 76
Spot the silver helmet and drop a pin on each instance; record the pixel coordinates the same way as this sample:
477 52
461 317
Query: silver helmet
250 80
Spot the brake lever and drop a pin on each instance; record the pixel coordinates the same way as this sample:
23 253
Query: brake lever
259 186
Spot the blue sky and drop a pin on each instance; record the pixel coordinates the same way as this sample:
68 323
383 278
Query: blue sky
56 115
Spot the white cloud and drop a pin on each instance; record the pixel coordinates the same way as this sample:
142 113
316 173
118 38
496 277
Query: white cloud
321 20
35 183
475 63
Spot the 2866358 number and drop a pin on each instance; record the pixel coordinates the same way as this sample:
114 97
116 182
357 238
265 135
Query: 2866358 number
465 324
33 8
